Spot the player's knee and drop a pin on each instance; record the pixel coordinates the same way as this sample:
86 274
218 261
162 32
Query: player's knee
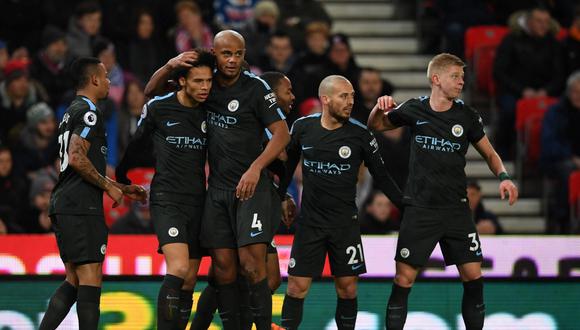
404 280
296 289
274 283
346 290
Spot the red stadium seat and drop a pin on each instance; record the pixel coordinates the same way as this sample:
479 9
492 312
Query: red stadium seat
562 34
141 175
480 46
574 200
529 115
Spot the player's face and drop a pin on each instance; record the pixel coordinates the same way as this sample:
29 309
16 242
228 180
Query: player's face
451 81
103 82
229 52
198 83
284 95
341 101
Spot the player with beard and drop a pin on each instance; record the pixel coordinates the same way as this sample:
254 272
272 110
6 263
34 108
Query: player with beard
76 204
333 147
175 125
437 211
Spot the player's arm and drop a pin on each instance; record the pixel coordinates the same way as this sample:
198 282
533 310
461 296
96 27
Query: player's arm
275 146
383 179
496 166
378 119
158 83
80 163
293 158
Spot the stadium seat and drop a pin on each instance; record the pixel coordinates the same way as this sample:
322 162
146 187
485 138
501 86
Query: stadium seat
529 115
141 175
574 201
562 34
481 43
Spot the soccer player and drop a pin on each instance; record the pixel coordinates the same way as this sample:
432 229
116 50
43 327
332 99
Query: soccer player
175 124
282 88
333 147
437 209
76 205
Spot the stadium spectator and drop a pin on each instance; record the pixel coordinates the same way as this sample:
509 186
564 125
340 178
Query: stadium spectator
572 45
13 193
49 65
560 151
36 219
233 14
135 222
83 28
485 221
370 87
145 52
191 32
279 54
528 64
37 146
310 61
131 108
296 15
257 31
4 57
378 216
17 93
104 50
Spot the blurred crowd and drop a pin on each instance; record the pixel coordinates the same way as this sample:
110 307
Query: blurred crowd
40 38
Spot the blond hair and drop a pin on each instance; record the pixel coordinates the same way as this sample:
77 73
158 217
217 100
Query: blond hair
441 62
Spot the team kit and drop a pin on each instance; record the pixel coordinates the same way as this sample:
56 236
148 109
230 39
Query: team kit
216 111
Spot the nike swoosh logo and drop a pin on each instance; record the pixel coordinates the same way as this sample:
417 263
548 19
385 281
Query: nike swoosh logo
256 234
355 267
306 148
169 124
421 122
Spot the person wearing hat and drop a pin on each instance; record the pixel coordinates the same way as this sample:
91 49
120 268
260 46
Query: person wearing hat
48 66
37 145
257 31
17 93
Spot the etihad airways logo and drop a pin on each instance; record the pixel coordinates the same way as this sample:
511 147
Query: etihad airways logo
319 167
433 143
189 142
222 121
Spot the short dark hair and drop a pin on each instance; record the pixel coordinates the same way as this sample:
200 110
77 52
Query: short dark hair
87 7
204 58
280 34
81 70
4 148
273 78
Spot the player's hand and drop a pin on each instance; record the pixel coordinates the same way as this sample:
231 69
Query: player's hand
509 189
182 60
136 193
247 185
288 211
386 103
116 195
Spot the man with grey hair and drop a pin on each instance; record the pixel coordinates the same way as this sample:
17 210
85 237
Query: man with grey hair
560 152
333 147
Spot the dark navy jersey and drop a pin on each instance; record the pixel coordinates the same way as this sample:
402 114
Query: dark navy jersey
331 160
236 118
72 194
439 142
177 136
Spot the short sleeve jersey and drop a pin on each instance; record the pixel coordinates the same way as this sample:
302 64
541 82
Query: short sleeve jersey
178 135
330 165
439 142
72 194
236 118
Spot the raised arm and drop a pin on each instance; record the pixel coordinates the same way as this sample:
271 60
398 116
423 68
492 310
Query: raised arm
485 149
378 119
158 83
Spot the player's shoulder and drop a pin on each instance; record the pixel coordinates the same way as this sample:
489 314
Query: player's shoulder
81 104
413 103
252 81
306 120
356 126
465 108
160 100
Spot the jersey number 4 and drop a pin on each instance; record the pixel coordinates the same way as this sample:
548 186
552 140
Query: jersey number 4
63 150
